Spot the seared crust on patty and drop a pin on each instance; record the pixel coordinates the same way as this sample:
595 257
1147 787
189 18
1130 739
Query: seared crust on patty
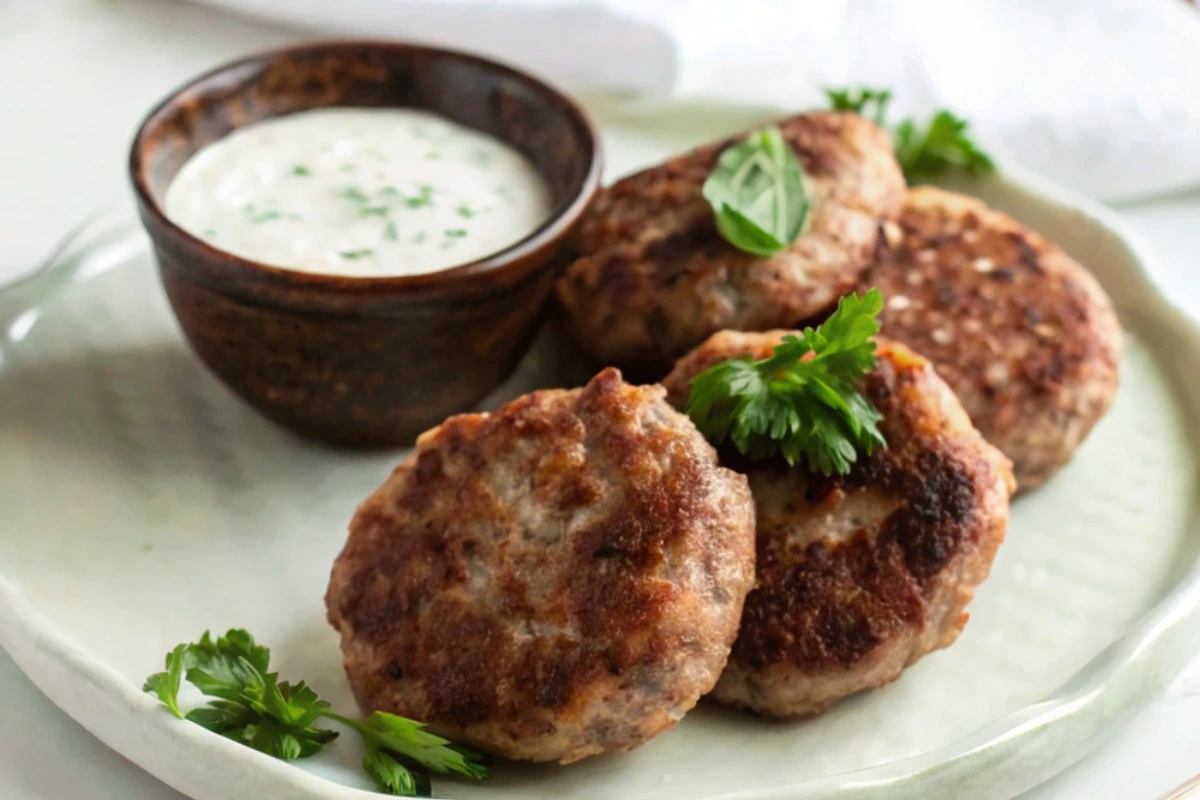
1022 333
555 579
656 277
859 576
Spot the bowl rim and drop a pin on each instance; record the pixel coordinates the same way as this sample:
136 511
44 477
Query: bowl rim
504 267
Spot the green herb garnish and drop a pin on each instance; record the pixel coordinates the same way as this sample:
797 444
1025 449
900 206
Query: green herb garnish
258 216
355 255
424 197
869 103
387 199
301 170
796 405
253 707
925 152
390 232
454 233
757 193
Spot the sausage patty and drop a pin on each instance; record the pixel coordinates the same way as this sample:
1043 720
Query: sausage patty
861 575
1022 333
555 579
656 277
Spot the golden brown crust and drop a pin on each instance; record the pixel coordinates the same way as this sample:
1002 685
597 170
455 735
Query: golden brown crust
656 277
1021 332
861 575
558 578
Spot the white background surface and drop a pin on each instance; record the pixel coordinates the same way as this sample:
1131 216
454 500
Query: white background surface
1097 94
77 75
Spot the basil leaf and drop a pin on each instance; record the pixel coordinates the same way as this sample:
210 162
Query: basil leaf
757 193
745 234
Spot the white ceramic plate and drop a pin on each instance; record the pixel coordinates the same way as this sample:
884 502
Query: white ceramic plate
141 503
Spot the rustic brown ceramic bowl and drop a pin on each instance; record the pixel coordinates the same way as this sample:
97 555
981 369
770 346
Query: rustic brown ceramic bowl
364 361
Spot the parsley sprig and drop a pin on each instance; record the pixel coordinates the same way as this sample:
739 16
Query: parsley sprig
924 152
802 401
252 706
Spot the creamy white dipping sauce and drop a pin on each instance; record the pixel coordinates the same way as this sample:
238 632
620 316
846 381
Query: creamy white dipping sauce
360 192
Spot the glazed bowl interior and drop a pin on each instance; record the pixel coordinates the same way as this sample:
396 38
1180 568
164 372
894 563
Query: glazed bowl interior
536 120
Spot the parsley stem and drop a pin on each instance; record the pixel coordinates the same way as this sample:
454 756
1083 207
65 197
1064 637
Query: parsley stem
349 723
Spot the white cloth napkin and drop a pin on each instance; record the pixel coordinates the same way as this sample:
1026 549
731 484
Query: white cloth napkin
1103 95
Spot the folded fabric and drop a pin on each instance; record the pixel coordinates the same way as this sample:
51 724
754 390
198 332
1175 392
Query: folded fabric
1103 95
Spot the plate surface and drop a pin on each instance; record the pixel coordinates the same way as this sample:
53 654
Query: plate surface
141 503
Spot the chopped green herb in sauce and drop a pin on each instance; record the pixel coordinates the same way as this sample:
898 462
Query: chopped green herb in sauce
384 201
373 202
258 216
424 197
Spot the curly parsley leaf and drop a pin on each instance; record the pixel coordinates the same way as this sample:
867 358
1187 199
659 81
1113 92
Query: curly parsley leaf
166 684
229 677
869 103
942 145
393 777
802 401
924 151
409 739
757 193
222 716
254 707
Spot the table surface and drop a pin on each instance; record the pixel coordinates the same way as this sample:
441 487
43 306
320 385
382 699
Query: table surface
78 76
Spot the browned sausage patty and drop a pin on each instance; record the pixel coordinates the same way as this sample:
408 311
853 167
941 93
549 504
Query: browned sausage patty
656 277
558 578
1022 333
859 576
